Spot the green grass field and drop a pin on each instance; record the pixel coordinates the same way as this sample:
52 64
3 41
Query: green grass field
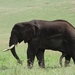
11 12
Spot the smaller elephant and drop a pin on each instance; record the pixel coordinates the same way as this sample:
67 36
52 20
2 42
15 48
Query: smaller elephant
57 35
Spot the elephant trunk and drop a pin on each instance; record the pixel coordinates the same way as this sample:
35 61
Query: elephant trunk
13 42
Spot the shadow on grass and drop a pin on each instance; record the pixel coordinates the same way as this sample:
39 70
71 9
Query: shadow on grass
53 67
3 68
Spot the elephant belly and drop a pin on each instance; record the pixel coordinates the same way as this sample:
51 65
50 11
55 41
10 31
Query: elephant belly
54 44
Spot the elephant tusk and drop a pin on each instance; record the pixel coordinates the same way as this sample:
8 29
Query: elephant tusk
8 48
11 47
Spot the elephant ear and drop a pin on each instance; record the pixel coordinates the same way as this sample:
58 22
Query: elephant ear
29 32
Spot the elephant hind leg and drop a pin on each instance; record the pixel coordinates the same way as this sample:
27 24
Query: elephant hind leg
73 56
67 60
40 58
61 57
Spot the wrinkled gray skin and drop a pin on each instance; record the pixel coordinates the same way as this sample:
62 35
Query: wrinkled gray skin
57 35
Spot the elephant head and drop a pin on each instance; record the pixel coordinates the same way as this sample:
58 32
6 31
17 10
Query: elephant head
21 32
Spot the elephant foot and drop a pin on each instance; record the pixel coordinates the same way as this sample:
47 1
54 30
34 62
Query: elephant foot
19 61
30 66
42 65
67 63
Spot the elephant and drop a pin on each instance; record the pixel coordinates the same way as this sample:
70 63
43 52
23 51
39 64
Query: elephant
67 61
57 35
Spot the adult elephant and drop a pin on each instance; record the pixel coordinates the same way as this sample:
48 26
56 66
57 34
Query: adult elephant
58 35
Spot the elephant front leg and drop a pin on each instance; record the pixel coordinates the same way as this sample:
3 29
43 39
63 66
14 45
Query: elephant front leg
30 58
40 58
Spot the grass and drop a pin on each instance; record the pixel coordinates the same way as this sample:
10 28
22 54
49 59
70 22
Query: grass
12 12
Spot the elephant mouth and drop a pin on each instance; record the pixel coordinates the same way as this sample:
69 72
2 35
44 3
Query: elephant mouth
12 46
